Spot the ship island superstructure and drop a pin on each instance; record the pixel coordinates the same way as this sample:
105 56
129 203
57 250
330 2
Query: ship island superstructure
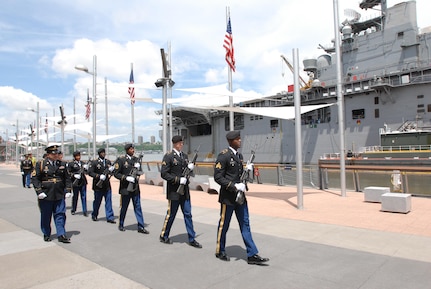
386 69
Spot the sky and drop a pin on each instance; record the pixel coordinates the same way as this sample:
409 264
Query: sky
41 42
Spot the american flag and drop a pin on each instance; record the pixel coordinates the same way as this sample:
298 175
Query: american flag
131 88
87 107
228 45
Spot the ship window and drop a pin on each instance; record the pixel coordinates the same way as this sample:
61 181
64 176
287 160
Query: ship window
421 105
238 122
358 113
376 100
376 113
421 110
429 107
420 96
274 123
400 35
202 129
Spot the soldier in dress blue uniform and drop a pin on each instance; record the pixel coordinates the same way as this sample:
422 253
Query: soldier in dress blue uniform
26 169
123 168
52 184
100 170
173 165
227 173
77 170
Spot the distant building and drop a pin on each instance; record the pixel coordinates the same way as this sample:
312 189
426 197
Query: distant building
140 139
152 139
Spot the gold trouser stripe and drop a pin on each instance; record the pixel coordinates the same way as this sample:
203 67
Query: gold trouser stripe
220 227
165 223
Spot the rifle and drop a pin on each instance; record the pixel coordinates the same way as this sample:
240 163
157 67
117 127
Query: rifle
107 174
135 173
76 181
187 171
245 178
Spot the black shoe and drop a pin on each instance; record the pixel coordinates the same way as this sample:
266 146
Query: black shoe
47 238
222 256
121 228
72 212
63 239
111 221
166 241
143 231
85 214
94 218
256 260
195 244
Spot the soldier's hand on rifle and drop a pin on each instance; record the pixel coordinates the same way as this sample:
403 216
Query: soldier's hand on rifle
111 168
183 181
137 165
77 176
130 179
240 187
249 167
68 195
191 166
102 177
42 196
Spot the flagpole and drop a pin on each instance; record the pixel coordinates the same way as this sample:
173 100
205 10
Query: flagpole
132 103
46 130
170 96
231 113
74 124
106 116
88 119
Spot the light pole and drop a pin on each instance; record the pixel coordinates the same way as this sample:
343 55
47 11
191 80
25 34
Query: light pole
37 128
94 74
16 142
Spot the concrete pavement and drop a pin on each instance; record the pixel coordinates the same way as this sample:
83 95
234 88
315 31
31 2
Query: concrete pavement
333 242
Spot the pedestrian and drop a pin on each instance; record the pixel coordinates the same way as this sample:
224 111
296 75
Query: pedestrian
26 169
227 173
77 169
100 170
52 184
173 165
127 169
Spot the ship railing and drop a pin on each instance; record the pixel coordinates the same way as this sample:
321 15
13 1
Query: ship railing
400 148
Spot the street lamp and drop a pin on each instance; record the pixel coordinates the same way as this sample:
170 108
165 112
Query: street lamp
94 74
165 83
16 142
37 128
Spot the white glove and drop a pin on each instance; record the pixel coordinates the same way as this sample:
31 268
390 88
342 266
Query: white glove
85 166
130 179
111 168
68 195
137 165
77 176
191 166
22 173
102 177
249 167
42 196
240 187
183 181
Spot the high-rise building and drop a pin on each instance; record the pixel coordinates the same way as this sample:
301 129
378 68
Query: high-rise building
140 139
152 139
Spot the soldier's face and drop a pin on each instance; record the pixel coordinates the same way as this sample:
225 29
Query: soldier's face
131 151
179 145
235 143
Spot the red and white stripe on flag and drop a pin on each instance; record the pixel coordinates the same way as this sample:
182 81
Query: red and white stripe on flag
228 45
